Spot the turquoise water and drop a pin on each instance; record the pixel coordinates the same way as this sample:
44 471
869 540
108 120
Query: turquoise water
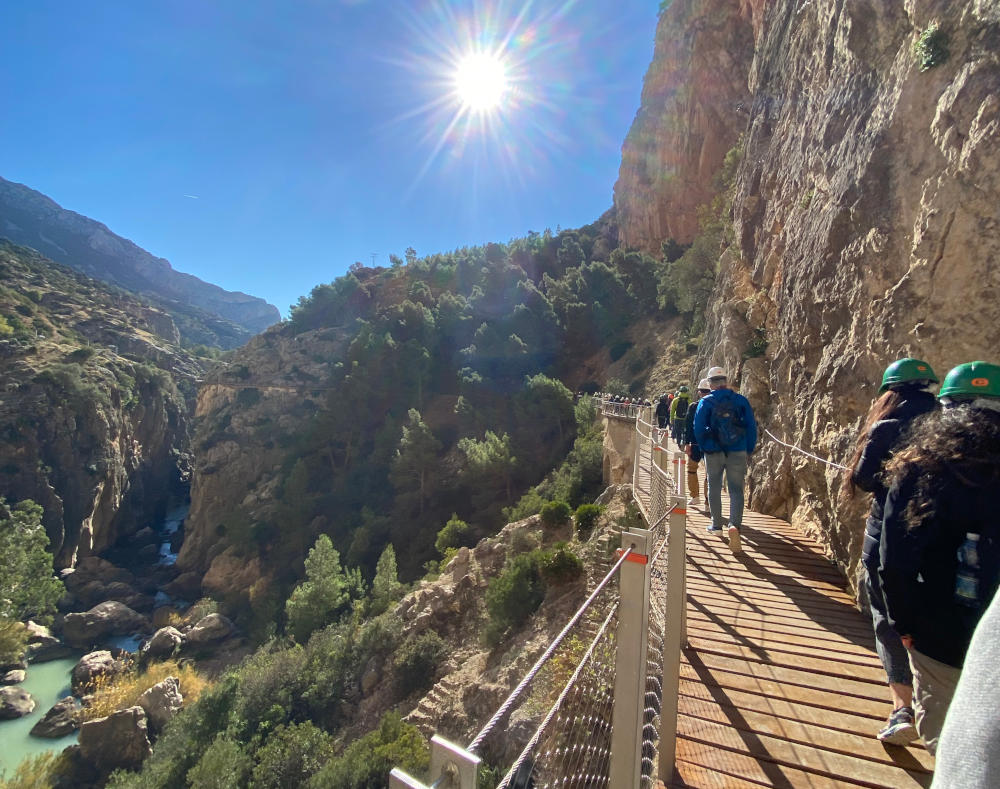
47 683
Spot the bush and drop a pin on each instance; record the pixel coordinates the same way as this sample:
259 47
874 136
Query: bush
13 640
224 765
454 534
555 514
931 48
291 755
515 594
585 517
417 662
367 762
560 565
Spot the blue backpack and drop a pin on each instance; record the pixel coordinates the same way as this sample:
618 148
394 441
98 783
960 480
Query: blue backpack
727 425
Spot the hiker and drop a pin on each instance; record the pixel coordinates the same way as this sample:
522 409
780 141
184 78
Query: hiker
940 545
903 396
662 412
678 413
692 450
726 432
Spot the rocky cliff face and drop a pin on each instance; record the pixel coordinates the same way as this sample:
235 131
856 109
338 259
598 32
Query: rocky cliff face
206 313
92 424
245 415
866 214
695 103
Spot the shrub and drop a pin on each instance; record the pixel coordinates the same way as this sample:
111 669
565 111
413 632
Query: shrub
417 662
291 755
454 534
585 517
931 48
515 594
224 765
555 514
34 772
13 640
367 762
560 565
524 541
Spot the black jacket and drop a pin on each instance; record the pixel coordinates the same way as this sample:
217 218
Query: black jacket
867 474
688 437
918 565
662 413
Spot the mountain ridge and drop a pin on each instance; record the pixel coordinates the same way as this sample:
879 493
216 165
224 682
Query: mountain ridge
30 218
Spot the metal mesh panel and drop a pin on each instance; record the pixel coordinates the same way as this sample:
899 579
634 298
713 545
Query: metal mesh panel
572 746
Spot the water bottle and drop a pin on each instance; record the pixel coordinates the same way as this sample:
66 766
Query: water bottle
967 575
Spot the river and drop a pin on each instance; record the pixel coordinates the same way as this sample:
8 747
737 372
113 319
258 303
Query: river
49 682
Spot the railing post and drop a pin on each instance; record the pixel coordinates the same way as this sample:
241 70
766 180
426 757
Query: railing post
452 767
674 635
681 461
630 661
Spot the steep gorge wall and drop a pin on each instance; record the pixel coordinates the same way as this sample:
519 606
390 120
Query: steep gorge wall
695 102
866 215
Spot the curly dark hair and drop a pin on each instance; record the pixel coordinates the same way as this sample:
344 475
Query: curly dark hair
886 403
959 445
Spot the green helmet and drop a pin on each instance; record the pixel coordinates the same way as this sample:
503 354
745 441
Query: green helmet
974 379
683 389
904 371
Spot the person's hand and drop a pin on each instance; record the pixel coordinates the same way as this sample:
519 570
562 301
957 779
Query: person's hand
907 641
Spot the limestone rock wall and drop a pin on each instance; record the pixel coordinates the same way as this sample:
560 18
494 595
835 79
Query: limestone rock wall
866 217
695 103
619 451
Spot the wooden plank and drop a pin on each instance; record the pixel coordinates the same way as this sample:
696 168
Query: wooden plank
849 721
780 674
687 775
849 626
871 707
821 663
769 638
812 734
858 639
824 764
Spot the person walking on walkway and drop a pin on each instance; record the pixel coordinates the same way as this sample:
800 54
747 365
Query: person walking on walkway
726 431
903 396
940 546
662 412
692 450
678 412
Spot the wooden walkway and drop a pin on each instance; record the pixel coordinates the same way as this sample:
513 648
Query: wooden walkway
780 684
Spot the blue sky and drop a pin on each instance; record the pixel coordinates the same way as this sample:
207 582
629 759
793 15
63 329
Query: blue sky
266 146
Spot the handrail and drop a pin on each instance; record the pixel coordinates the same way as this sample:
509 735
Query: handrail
807 454
505 707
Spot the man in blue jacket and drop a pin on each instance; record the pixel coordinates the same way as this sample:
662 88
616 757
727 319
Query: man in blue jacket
726 431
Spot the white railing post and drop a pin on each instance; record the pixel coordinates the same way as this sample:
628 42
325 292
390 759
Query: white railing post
452 767
674 635
630 661
680 460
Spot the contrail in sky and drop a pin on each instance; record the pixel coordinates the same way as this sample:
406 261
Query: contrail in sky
193 197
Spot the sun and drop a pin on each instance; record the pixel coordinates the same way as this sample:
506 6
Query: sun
480 81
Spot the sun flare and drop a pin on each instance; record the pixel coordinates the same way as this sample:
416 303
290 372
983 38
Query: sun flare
480 81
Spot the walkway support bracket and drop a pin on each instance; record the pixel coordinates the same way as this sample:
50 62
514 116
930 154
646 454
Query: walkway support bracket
452 767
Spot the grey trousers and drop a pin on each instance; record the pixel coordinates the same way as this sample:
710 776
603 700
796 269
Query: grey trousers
934 684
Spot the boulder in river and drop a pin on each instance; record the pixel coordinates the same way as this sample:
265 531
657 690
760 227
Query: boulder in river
120 740
161 702
107 619
15 702
90 667
13 677
164 642
210 629
62 719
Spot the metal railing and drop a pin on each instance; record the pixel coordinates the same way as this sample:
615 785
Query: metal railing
605 689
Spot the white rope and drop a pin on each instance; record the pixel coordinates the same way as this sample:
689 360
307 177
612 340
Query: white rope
807 454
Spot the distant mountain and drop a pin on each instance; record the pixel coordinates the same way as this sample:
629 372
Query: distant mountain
204 313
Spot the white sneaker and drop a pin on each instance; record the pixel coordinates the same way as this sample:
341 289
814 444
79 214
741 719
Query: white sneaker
734 540
693 503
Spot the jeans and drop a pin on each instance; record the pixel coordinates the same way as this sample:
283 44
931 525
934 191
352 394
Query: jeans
892 653
734 464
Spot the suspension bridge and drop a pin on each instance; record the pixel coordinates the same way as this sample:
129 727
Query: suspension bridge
691 666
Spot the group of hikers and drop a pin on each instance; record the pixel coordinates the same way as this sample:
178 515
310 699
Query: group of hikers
931 557
931 551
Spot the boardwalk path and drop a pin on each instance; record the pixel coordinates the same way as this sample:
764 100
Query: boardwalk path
780 685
